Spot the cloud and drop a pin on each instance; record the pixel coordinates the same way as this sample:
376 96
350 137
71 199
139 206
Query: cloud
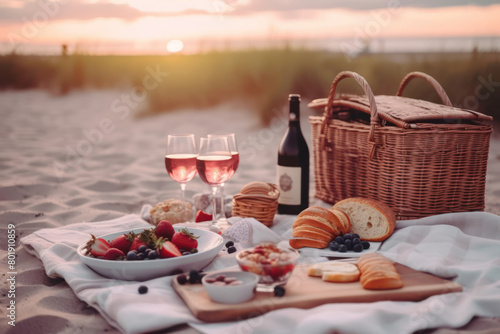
67 9
18 10
293 5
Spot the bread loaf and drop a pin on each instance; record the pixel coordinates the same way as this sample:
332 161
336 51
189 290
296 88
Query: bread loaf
371 219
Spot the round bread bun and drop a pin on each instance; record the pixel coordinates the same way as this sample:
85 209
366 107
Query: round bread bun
307 242
373 220
172 210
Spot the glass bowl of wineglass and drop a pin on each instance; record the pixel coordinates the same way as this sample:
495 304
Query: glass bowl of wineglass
235 156
180 159
215 165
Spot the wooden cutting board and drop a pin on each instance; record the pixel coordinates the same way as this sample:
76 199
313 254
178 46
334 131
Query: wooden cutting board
303 291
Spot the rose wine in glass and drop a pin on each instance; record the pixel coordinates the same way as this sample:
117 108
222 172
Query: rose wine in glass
180 159
215 166
235 157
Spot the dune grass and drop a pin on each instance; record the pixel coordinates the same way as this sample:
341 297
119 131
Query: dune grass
261 78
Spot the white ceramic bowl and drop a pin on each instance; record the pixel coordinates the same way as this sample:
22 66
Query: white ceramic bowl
232 294
209 245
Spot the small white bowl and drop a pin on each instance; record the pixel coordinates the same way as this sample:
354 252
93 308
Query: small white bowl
232 294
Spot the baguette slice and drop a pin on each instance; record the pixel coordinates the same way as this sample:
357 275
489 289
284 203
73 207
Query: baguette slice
307 242
307 232
371 219
315 222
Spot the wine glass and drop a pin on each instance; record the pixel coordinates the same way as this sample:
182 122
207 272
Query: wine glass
215 165
235 156
180 159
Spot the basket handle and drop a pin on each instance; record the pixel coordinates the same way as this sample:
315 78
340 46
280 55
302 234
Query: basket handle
439 89
374 118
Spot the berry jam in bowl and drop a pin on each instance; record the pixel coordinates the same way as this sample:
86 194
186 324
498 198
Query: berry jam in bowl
274 264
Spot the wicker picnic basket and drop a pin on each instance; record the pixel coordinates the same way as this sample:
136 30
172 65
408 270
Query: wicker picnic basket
419 157
258 200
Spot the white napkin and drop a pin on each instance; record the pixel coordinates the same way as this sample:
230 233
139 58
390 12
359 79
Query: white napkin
465 246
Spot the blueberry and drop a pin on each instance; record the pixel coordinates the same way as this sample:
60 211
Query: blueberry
131 256
143 289
231 249
142 248
146 258
355 235
348 244
182 279
334 246
339 239
365 244
357 248
229 244
186 253
342 248
153 254
348 236
147 251
141 256
194 276
356 241
279 291
194 250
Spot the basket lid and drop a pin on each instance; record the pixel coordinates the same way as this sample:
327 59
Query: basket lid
403 111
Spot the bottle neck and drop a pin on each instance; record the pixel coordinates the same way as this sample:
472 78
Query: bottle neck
294 116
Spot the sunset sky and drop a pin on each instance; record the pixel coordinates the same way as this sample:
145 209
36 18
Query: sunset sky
147 26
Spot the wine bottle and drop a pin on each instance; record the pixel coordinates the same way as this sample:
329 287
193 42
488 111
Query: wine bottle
293 164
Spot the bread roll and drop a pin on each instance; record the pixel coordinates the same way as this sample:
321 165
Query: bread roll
334 271
371 219
378 272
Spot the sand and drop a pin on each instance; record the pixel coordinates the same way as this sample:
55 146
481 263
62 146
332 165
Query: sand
85 157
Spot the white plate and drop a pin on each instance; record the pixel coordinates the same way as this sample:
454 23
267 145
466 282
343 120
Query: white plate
209 245
312 252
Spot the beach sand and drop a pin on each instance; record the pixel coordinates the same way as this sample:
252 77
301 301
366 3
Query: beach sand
86 157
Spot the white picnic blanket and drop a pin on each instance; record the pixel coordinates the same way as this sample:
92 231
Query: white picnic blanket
464 247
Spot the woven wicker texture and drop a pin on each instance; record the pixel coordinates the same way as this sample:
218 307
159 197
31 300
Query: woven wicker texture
258 200
418 157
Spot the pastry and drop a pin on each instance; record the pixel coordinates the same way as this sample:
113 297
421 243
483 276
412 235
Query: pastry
172 210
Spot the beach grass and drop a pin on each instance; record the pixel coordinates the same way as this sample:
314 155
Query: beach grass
260 78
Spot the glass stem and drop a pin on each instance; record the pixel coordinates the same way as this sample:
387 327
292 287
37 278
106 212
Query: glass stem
222 206
214 206
183 190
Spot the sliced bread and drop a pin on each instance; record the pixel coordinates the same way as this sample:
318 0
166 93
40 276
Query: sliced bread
373 220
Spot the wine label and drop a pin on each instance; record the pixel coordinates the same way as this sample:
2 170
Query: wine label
289 185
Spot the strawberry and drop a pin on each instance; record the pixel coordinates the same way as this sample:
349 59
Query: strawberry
123 242
185 240
202 216
164 230
136 243
113 254
97 246
167 249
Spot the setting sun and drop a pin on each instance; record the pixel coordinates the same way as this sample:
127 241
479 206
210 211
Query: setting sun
175 45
